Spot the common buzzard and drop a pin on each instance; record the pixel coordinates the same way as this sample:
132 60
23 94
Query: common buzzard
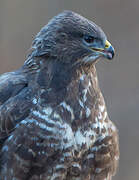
53 119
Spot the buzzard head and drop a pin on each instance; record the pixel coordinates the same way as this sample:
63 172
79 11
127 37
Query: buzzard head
72 39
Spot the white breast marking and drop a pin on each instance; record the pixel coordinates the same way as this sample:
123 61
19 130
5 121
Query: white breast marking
85 138
88 112
68 108
102 107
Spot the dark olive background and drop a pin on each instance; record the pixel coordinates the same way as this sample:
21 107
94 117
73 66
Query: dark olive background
119 79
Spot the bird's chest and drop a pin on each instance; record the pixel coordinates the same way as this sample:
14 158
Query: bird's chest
76 129
81 135
75 122
73 143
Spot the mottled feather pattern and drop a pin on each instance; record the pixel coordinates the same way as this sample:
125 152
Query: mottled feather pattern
55 134
53 119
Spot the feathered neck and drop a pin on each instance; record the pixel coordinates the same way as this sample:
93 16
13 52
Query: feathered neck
51 74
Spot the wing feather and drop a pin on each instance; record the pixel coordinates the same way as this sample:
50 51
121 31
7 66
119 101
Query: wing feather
15 102
11 83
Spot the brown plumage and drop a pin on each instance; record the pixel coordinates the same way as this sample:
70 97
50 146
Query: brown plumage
53 119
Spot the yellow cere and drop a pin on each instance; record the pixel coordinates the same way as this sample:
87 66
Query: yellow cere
107 44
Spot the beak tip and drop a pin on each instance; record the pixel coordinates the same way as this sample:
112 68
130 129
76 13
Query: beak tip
110 53
109 50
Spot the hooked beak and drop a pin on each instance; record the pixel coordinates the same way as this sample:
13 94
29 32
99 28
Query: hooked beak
107 51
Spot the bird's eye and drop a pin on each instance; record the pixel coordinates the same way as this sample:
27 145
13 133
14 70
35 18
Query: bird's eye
89 39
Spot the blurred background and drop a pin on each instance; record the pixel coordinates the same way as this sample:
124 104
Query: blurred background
119 79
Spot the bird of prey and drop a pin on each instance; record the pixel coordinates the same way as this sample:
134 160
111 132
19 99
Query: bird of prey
53 119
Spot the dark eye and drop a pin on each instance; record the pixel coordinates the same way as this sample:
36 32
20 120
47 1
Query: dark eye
89 39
